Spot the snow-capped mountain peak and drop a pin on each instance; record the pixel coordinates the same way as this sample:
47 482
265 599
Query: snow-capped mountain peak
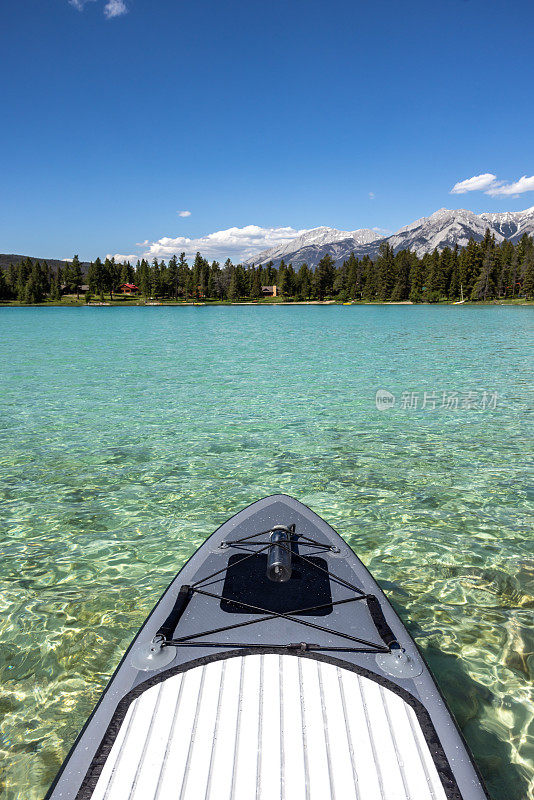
314 238
447 228
443 228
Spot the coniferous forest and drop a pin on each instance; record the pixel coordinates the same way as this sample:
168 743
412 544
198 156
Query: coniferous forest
481 271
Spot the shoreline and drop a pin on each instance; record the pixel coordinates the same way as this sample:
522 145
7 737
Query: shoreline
213 303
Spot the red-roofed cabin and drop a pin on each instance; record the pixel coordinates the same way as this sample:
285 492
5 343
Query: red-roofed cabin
129 288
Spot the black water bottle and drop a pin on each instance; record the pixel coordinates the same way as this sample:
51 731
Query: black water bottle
279 558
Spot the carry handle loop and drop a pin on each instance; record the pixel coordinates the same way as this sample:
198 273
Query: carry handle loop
377 615
169 626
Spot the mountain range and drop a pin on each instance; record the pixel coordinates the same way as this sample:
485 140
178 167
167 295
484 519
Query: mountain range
443 228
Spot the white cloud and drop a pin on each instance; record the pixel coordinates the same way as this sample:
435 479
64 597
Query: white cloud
184 213
112 8
372 195
79 4
524 184
236 243
115 8
475 184
120 257
489 184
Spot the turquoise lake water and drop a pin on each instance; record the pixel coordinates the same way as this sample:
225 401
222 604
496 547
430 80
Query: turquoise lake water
129 435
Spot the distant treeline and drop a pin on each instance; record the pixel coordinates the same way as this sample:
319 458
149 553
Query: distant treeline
480 271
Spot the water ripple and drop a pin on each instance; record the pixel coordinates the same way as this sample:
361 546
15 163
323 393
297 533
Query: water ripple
127 437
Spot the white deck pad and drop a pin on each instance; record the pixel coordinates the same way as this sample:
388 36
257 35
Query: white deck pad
262 727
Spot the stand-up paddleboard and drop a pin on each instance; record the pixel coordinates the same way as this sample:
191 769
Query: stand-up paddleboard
272 667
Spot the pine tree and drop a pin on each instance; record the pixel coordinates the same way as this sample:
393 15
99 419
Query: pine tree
324 277
368 279
485 285
77 275
66 278
55 287
270 274
222 278
528 274
183 275
204 278
156 283
441 278
12 281
23 271
339 286
471 266
126 273
281 280
73 276
354 277
59 279
454 283
385 271
403 266
172 277
144 278
5 293
524 255
237 282
255 284
215 281
47 277
34 289
40 275
304 281
213 274
233 289
505 255
30 295
199 276
95 276
431 292
291 281
110 275
196 275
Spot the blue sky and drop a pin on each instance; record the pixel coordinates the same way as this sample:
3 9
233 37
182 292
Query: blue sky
119 114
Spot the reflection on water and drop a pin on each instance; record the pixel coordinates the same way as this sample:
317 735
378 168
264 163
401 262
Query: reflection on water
129 435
